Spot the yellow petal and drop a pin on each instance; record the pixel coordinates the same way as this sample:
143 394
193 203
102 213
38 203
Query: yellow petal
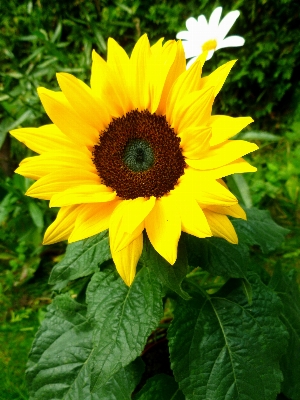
163 226
126 260
235 211
63 225
223 154
57 182
176 69
158 69
236 167
106 85
127 219
205 191
92 219
193 220
217 77
139 79
193 110
65 118
38 166
186 83
156 48
195 141
43 139
224 127
221 226
81 98
118 61
83 194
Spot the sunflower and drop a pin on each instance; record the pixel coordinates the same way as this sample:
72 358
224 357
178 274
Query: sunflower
209 36
138 150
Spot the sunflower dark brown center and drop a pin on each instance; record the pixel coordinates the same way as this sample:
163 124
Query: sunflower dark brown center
139 155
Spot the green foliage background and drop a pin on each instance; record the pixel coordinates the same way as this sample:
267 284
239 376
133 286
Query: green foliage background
40 38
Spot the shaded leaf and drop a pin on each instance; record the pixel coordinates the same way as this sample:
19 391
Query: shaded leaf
223 348
286 287
259 229
218 256
123 318
160 387
170 275
82 258
59 364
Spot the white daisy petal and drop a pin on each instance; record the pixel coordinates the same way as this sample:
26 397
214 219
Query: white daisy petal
192 48
191 24
231 41
226 24
184 35
202 25
215 19
209 55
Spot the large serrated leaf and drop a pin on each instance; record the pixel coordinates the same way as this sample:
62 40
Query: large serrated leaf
218 256
160 387
223 348
82 258
119 387
286 287
259 229
170 275
59 366
123 319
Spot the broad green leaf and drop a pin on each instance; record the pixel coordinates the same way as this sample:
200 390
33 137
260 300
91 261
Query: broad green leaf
123 319
59 364
119 387
170 275
160 387
218 256
286 287
259 229
82 258
223 348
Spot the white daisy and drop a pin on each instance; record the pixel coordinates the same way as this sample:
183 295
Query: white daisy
209 36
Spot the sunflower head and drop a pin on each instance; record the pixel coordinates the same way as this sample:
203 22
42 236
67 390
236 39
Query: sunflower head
137 150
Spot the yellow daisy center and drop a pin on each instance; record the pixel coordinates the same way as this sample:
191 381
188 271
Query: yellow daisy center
209 45
139 155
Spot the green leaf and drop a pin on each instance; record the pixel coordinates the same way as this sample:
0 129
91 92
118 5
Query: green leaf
119 387
259 229
218 256
170 275
82 258
59 364
286 287
36 215
256 135
223 348
160 387
123 318
243 189
247 288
